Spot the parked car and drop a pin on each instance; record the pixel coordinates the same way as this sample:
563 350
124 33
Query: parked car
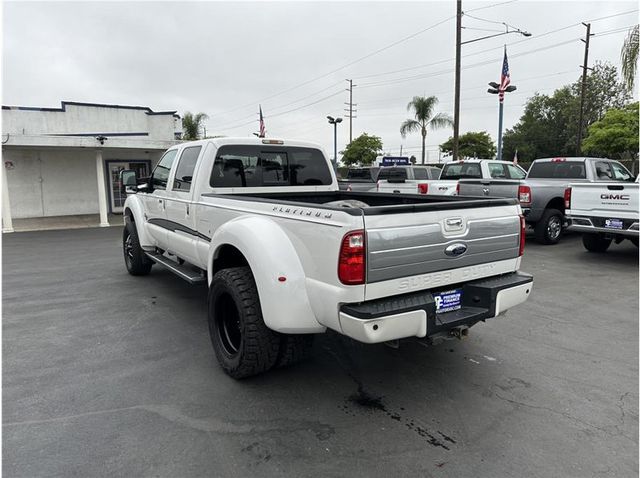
359 179
286 254
541 193
603 213
407 179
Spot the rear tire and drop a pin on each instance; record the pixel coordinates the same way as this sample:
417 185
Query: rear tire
243 344
595 242
136 261
294 349
548 229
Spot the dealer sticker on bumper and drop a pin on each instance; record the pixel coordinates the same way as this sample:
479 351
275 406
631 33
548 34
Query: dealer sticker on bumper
448 301
613 224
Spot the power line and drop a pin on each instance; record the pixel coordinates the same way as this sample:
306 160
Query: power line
346 65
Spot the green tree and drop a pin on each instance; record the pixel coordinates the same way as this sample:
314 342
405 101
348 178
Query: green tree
549 125
424 118
629 57
362 150
192 124
615 135
472 145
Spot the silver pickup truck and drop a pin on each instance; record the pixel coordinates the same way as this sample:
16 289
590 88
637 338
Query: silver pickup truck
541 193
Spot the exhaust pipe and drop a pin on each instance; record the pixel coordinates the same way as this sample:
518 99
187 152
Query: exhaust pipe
460 332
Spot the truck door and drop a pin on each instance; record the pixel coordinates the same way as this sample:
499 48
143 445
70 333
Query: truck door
180 212
154 201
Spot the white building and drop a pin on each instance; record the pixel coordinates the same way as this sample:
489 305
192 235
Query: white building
66 161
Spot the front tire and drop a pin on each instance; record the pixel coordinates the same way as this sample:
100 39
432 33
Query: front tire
595 242
136 261
548 229
242 342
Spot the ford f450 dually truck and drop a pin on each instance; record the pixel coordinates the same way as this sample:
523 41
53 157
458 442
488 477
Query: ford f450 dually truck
286 254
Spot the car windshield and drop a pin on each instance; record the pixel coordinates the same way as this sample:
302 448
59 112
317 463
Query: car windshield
461 171
557 170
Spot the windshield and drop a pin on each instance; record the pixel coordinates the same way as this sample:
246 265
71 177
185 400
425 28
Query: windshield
461 171
557 170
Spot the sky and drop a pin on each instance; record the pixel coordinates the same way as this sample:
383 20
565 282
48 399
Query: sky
293 58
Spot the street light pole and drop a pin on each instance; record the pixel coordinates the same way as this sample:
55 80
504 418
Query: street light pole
334 122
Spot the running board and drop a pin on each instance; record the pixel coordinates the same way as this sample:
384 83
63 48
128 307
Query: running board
181 271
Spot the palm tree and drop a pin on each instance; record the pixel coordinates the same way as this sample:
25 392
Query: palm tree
629 57
424 118
191 125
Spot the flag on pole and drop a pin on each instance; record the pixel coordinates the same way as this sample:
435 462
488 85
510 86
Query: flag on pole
505 78
263 131
515 157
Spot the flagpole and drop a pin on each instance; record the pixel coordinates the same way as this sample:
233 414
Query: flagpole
500 131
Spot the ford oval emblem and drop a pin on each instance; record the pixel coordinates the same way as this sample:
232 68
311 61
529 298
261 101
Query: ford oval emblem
455 250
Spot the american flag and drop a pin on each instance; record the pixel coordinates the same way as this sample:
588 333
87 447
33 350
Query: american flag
263 131
505 79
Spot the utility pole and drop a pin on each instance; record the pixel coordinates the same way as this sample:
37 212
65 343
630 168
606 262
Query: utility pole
400 150
584 86
350 110
456 108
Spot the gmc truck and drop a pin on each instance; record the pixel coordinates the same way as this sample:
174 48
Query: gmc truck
603 213
286 254
541 193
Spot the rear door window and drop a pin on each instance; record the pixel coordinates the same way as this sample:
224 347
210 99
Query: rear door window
557 170
497 171
395 173
603 171
257 166
184 171
461 171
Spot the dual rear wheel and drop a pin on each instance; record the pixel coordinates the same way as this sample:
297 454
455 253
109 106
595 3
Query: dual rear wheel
243 344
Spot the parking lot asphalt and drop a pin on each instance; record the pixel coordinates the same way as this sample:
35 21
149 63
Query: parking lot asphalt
105 374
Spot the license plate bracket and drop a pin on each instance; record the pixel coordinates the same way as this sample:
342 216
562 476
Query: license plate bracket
448 301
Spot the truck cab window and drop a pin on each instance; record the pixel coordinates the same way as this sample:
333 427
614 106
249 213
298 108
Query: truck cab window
496 170
256 166
620 173
603 171
161 172
515 172
420 173
186 165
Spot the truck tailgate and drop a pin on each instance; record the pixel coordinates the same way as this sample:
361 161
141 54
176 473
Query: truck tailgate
422 242
499 188
615 200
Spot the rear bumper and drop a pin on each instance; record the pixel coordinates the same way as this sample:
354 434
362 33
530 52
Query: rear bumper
591 225
414 315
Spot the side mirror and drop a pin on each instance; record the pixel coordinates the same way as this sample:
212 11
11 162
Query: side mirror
129 180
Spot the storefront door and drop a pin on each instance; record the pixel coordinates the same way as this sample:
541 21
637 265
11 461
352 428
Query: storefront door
117 192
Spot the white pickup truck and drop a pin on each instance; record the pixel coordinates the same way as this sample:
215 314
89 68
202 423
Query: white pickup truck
603 213
446 184
286 254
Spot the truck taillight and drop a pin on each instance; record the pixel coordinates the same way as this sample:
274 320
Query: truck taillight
423 188
524 195
377 185
351 261
567 198
349 188
523 227
458 189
